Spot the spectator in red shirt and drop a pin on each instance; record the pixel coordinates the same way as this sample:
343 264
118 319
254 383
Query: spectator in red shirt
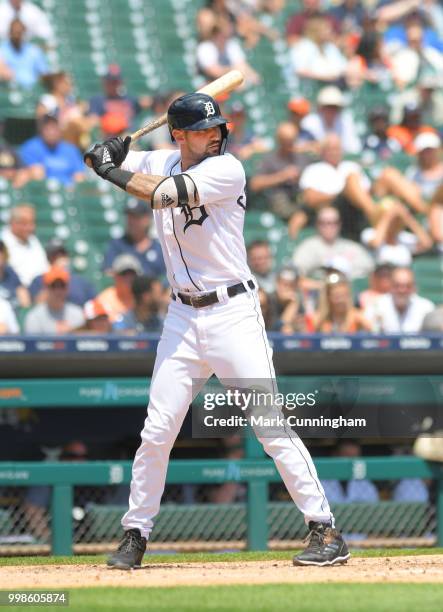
296 23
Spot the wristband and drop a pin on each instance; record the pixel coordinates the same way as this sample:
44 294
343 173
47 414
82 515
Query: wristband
119 177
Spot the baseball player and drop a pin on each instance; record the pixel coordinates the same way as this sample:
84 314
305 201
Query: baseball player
214 324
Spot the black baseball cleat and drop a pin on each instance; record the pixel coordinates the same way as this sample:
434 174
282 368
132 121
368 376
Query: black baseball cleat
130 551
326 547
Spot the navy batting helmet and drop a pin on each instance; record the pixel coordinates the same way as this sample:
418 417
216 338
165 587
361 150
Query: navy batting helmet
196 111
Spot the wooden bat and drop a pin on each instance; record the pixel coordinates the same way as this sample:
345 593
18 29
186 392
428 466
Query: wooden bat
224 84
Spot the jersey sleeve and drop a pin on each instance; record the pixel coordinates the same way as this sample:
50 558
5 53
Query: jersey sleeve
218 179
137 161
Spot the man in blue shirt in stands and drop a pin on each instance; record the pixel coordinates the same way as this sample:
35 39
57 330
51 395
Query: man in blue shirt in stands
136 241
55 158
26 61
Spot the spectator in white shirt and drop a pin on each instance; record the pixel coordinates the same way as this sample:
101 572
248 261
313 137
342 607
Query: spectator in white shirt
222 53
315 56
27 257
390 240
409 62
8 321
318 251
332 117
401 311
35 20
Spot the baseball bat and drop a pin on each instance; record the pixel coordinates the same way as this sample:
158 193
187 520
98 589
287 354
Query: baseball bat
224 84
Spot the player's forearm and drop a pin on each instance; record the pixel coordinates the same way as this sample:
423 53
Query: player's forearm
142 186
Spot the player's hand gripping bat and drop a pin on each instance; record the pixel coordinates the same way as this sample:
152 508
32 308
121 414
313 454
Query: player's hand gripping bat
226 83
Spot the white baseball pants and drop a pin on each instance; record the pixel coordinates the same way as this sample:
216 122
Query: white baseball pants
227 339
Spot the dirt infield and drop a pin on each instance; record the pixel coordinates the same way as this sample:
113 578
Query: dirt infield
426 568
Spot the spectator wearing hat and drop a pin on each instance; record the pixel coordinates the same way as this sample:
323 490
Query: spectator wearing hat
8 320
380 283
396 237
317 251
242 142
136 241
32 16
119 299
401 311
80 289
409 128
336 312
55 315
51 155
315 56
145 316
96 319
26 255
378 145
26 61
11 288
277 177
298 108
428 171
114 110
332 117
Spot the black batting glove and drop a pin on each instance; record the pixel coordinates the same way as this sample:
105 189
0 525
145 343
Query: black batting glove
118 149
99 158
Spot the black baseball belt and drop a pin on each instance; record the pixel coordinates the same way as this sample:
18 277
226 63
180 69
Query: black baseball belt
207 299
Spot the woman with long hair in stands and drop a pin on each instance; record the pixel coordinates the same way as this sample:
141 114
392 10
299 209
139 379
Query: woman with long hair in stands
336 312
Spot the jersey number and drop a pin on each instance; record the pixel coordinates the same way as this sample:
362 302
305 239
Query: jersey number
189 215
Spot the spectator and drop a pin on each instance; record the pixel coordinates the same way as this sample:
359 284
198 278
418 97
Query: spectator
221 53
380 283
389 240
428 172
401 311
242 142
8 321
436 218
261 264
160 138
136 241
378 145
61 103
11 166
26 255
26 61
305 142
54 157
333 181
336 312
332 117
118 300
285 303
433 321
96 319
409 128
350 491
33 18
80 290
427 95
144 317
315 56
409 62
297 22
350 15
318 251
278 178
11 288
370 63
55 315
114 109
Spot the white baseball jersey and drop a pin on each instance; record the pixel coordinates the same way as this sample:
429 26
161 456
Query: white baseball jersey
203 246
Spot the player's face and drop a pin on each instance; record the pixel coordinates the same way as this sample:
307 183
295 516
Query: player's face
202 143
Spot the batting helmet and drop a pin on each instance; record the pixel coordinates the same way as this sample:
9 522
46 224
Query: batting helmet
197 111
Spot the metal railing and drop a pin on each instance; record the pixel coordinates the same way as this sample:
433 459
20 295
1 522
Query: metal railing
256 473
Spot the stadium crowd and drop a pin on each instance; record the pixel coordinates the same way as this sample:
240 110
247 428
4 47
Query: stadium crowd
350 210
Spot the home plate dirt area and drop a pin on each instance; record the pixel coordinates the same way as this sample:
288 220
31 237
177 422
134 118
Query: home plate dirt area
422 568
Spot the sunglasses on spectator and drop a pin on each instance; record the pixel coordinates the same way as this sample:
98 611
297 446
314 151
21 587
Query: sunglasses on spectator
58 284
329 222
